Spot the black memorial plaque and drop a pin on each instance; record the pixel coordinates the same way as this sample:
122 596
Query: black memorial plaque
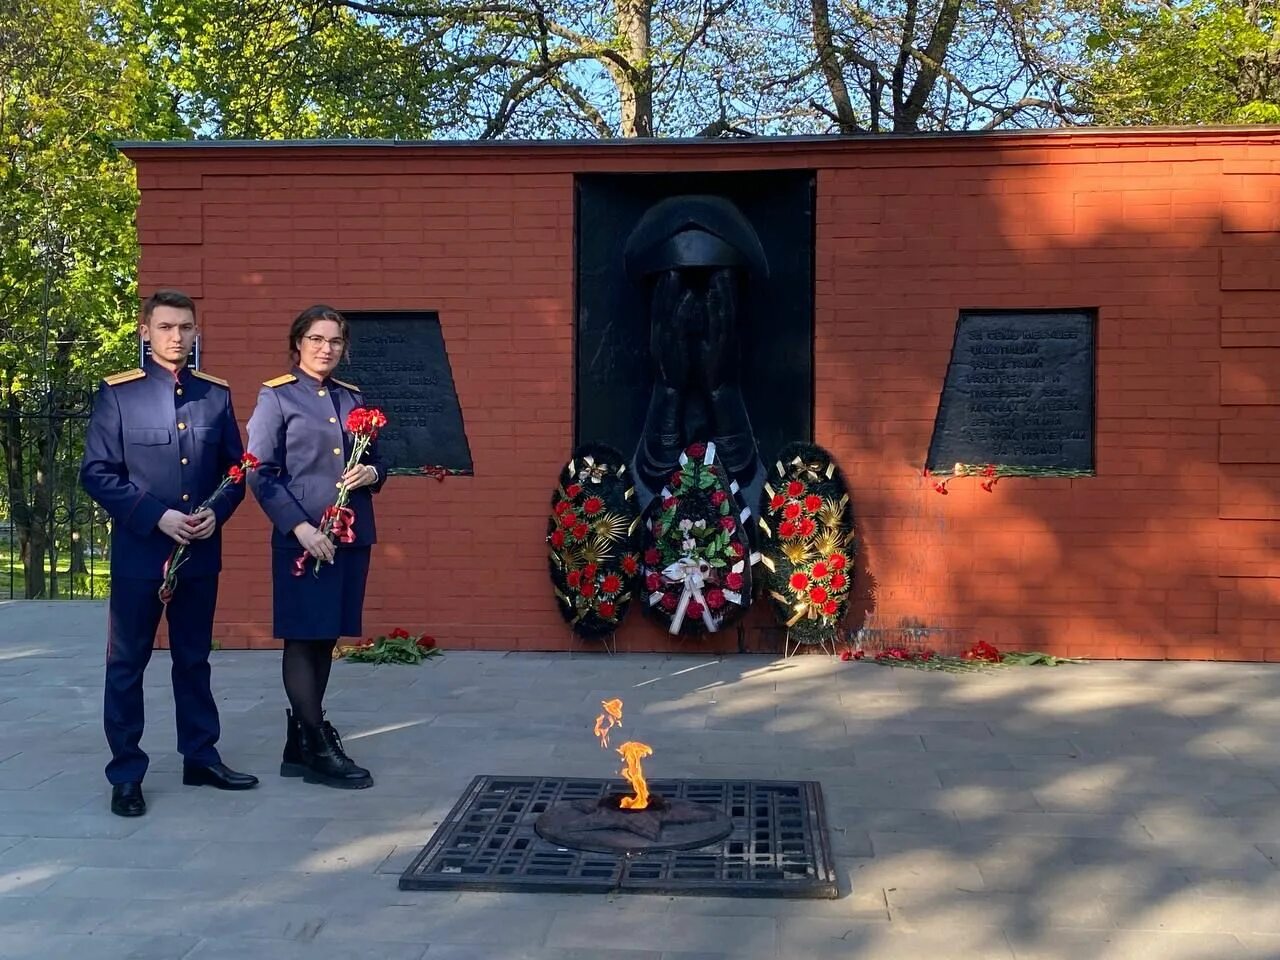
1019 393
399 362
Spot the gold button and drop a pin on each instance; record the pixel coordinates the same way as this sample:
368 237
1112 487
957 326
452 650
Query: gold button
333 419
184 461
338 451
186 497
182 426
179 391
321 392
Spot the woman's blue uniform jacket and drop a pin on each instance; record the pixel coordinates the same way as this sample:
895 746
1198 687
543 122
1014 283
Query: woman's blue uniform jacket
298 432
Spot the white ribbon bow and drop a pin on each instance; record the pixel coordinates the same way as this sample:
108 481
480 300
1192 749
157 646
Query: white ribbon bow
694 575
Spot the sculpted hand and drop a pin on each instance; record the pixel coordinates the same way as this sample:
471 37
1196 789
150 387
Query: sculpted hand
672 313
361 475
175 526
201 524
314 542
719 351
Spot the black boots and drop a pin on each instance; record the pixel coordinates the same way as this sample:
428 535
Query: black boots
315 753
292 763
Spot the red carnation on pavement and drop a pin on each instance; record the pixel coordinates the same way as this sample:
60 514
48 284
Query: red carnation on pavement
777 501
399 633
697 450
592 506
820 571
837 561
795 488
425 643
573 489
606 609
792 511
694 609
651 557
629 564
611 584
838 581
798 582
818 595
715 598
846 654
812 503
652 582
733 581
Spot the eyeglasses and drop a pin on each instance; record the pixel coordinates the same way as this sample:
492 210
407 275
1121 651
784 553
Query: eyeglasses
317 341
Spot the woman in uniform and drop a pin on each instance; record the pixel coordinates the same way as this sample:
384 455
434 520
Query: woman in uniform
298 432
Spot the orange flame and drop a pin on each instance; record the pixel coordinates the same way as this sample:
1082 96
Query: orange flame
606 721
631 752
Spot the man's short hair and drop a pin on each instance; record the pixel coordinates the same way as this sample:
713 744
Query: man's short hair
167 298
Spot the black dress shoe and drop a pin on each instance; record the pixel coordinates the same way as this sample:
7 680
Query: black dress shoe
217 775
126 800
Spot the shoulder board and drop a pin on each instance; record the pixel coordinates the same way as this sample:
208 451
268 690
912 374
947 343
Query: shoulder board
280 381
137 373
211 378
342 383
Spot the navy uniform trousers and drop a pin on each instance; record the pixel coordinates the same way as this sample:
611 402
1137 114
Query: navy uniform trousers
133 616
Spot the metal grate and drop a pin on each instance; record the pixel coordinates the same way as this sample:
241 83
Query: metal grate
778 847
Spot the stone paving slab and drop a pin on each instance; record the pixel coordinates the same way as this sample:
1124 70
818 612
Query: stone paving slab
1108 811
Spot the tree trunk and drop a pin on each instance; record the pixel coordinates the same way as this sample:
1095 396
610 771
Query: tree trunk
823 45
635 81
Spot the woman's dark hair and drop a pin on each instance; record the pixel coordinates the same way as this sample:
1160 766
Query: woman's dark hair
311 315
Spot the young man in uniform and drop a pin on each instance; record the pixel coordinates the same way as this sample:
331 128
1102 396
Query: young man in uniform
160 440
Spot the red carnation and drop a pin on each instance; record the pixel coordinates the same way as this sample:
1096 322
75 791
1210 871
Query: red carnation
838 581
733 581
606 609
235 473
787 529
668 503
580 531
250 462
728 523
694 610
837 561
651 557
738 549
697 450
589 571
820 571
560 508
818 595
611 584
792 511
807 527
812 503
675 480
399 633
846 654
715 598
718 498
776 501
798 582
830 608
557 539
629 565
588 589
425 643
652 582
574 578
659 529
668 602
795 488
568 518
592 506
573 489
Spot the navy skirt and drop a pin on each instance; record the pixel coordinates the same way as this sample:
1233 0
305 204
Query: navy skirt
322 607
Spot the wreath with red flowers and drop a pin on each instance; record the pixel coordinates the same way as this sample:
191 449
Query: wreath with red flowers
593 539
808 543
697 559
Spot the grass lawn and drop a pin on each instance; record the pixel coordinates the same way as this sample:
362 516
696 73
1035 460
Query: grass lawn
13 582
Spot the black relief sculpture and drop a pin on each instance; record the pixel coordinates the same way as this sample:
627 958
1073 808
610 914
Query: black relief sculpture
692 251
399 361
695 318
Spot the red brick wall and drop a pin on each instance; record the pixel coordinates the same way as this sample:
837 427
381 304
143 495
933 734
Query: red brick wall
1172 550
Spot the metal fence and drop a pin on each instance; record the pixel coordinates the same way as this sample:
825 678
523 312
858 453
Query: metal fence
53 538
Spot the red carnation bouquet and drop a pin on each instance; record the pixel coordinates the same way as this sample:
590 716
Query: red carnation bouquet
169 576
339 521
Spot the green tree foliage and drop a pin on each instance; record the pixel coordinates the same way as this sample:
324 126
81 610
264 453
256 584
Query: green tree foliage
1185 62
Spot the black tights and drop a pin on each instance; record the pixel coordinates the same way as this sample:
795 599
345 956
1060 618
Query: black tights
305 667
